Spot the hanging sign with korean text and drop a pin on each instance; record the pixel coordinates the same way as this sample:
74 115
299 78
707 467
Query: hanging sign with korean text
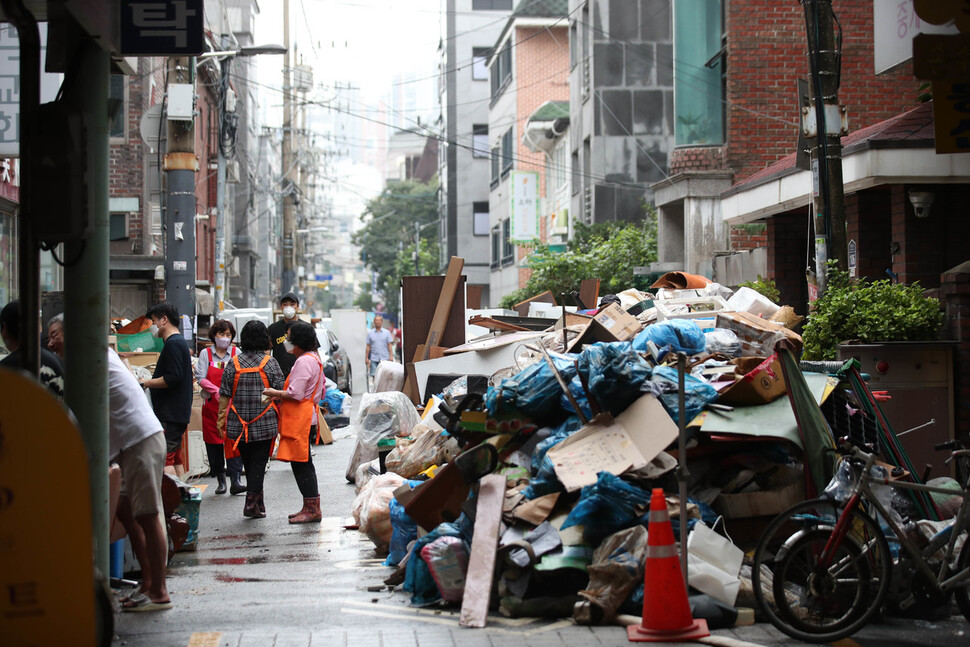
525 206
162 27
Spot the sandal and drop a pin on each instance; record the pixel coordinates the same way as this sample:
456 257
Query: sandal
141 602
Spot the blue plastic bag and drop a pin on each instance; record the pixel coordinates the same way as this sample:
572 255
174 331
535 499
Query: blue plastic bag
614 373
417 577
609 505
677 335
333 400
664 385
545 480
403 531
533 391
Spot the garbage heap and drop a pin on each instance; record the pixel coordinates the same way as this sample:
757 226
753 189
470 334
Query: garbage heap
532 495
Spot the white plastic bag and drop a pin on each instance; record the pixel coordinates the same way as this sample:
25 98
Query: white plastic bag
372 509
384 415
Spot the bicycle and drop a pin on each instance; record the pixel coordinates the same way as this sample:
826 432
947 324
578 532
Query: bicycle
828 562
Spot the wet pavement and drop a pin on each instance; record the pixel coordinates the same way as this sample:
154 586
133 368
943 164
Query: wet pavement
265 582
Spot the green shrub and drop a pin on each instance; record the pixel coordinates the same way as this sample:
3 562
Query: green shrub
765 287
870 312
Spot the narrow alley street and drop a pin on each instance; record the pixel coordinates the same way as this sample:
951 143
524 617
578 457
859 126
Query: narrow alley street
265 583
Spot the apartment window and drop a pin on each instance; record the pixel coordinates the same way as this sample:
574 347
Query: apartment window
479 66
117 90
496 165
501 70
480 140
508 251
118 226
496 247
698 65
508 156
491 5
480 218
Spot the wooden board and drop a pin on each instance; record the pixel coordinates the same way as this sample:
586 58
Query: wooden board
481 563
419 299
445 300
589 292
522 307
492 324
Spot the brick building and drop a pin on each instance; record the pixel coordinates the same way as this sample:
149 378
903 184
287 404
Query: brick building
735 79
528 66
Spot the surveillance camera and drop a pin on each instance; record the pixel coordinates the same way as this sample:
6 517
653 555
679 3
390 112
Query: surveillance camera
921 201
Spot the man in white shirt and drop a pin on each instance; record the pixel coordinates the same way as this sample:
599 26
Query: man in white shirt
137 445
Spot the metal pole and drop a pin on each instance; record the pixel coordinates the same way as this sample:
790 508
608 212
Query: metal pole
220 277
289 184
181 165
28 249
682 460
86 292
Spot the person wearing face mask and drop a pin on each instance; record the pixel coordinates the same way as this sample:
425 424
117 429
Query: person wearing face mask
171 383
208 373
289 303
298 399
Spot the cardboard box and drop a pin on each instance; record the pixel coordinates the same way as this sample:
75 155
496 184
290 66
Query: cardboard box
760 381
195 420
140 359
611 324
758 335
789 489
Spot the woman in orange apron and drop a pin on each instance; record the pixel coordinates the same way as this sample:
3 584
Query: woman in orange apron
299 400
248 422
208 373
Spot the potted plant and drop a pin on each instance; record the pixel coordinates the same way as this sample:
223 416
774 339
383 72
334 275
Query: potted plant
868 312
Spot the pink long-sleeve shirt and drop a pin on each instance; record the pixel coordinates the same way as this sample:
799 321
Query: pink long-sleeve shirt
307 381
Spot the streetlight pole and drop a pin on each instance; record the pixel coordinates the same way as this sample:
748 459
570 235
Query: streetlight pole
289 185
225 64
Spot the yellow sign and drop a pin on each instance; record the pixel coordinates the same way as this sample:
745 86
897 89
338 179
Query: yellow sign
46 556
951 116
940 12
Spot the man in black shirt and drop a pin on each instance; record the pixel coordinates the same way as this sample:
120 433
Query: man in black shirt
51 373
289 303
171 383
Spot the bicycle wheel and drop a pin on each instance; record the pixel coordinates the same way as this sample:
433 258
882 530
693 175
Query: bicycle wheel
962 594
837 606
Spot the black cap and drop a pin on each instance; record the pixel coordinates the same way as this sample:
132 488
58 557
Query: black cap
289 296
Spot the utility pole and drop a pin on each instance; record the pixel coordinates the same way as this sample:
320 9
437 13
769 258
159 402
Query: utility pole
181 165
220 277
289 183
825 123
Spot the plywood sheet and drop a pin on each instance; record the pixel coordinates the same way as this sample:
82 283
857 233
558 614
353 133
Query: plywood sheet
481 563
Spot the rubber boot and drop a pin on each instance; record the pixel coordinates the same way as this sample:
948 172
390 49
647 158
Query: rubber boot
236 486
260 504
221 480
311 511
251 509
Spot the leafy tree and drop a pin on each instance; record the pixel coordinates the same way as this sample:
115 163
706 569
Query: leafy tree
388 233
606 251
365 300
868 311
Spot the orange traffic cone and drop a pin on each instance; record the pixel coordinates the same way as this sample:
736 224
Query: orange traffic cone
666 612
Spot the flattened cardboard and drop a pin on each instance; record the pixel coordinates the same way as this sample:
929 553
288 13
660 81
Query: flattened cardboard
759 385
537 510
630 441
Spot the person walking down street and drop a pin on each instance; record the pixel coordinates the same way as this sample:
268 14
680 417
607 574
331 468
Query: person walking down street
208 372
303 389
171 382
247 421
136 442
379 341
290 304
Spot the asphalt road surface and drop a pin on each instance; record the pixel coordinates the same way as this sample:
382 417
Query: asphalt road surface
264 582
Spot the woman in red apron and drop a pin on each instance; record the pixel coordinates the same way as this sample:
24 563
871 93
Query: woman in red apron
208 373
248 422
299 399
